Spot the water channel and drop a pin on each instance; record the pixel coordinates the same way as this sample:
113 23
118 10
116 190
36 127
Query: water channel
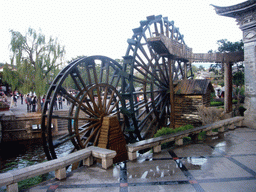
16 155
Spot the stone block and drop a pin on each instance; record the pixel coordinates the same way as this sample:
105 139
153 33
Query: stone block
179 142
157 149
12 187
221 130
88 161
209 133
6 179
231 126
106 163
132 156
60 173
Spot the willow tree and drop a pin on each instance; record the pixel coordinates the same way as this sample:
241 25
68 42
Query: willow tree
36 61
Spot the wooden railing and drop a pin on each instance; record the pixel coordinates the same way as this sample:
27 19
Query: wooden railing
155 143
11 179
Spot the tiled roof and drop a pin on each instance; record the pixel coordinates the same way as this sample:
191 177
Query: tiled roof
232 11
193 87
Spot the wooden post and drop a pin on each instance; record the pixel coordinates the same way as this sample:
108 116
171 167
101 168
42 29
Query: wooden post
185 70
228 87
172 119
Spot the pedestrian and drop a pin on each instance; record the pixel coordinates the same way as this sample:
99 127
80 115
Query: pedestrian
42 102
55 106
60 101
28 102
14 100
34 102
21 99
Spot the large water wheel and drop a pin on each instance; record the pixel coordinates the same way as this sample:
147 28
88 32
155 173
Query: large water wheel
137 91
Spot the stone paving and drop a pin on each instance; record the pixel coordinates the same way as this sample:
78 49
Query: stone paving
223 163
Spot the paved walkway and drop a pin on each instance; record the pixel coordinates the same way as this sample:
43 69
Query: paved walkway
21 109
224 163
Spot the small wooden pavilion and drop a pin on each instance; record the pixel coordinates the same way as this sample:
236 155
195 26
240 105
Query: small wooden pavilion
188 94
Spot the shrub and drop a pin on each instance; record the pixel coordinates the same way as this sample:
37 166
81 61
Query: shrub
209 114
216 103
167 131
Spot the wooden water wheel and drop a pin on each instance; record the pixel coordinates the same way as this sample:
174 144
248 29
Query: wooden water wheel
137 91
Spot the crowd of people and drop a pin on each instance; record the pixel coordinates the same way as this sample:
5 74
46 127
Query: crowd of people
32 101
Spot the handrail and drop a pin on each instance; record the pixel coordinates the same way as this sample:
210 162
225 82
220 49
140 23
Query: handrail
58 165
178 137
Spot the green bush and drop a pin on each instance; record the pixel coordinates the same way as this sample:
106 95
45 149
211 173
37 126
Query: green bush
167 130
24 184
201 135
216 103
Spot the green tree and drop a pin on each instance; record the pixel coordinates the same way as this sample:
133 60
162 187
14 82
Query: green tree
201 68
36 61
227 46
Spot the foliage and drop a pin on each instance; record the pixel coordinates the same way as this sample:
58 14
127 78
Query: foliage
238 78
227 46
201 135
35 61
221 83
167 130
209 114
201 68
212 96
11 76
216 103
216 68
24 184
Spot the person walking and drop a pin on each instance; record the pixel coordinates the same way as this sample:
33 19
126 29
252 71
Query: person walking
60 101
12 101
21 99
28 102
34 102
55 106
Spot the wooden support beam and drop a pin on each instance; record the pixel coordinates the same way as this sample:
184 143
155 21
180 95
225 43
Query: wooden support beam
228 87
172 114
218 57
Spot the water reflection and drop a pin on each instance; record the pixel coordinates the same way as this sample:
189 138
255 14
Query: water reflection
152 171
21 154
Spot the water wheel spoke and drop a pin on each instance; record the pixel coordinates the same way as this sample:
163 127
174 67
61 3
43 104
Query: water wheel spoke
88 128
110 101
113 106
92 99
105 98
92 134
96 138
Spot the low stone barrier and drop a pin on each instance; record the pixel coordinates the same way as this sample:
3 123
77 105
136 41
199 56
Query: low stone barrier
155 143
12 178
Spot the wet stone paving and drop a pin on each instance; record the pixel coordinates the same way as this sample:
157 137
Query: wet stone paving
224 163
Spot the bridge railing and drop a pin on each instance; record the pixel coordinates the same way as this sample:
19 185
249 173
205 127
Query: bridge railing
11 179
155 143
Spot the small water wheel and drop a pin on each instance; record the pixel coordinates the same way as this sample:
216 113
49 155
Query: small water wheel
137 91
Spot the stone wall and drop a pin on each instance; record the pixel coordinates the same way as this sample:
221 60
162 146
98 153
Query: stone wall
249 38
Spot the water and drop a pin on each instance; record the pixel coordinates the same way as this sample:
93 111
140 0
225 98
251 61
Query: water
16 155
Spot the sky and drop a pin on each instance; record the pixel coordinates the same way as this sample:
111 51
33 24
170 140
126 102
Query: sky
102 27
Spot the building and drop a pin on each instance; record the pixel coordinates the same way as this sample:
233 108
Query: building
188 95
